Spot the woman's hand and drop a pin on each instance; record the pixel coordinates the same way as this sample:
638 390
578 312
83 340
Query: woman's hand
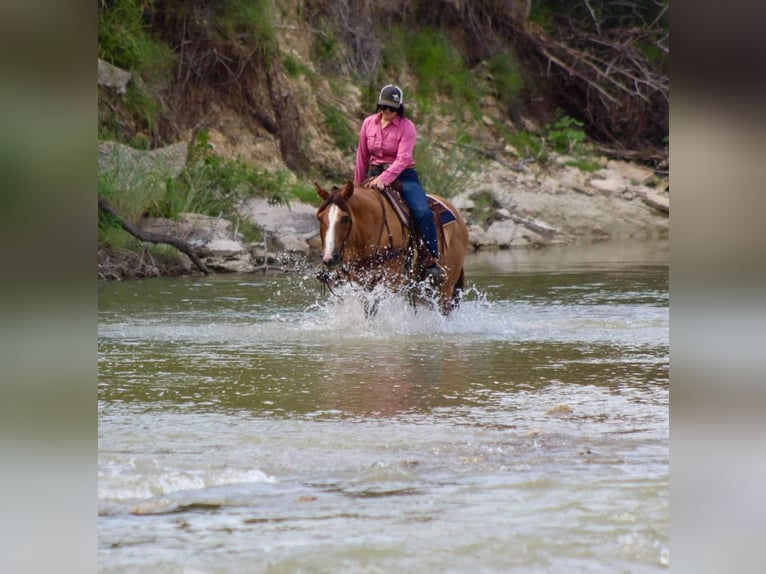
376 183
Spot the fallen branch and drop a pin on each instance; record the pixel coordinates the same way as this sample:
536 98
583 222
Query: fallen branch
143 235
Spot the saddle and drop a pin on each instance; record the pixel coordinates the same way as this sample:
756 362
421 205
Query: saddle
443 215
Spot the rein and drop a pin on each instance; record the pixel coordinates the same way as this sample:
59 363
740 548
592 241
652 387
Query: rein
380 256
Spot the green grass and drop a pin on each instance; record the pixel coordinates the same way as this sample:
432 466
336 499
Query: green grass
566 135
484 205
527 144
209 184
445 172
507 78
440 70
124 39
341 131
247 22
584 164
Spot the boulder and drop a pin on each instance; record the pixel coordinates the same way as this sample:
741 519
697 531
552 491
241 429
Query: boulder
112 77
635 174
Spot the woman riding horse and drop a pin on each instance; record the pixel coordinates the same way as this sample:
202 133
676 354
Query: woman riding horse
386 144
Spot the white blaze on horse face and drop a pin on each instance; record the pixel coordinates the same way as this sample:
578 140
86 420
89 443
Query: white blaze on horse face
333 217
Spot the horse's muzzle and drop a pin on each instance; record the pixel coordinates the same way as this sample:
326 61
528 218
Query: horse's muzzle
332 261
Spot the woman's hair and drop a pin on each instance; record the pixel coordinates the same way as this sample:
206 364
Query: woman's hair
399 112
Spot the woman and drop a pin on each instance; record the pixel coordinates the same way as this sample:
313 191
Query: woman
386 142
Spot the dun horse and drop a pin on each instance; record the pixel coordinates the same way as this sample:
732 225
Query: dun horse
367 239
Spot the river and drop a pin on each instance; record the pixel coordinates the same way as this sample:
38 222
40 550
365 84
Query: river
253 423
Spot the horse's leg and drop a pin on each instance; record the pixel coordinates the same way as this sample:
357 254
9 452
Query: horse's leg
447 302
457 291
371 308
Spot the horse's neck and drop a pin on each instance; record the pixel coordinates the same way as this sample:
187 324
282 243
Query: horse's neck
375 223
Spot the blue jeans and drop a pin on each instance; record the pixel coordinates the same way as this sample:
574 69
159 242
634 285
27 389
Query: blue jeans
418 203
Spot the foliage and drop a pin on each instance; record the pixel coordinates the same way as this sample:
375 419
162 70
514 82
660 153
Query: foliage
584 164
247 22
294 68
446 174
125 39
528 145
214 185
563 136
326 49
507 77
440 69
484 205
337 125
209 184
567 135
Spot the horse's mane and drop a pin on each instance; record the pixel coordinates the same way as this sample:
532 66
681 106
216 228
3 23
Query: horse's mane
336 197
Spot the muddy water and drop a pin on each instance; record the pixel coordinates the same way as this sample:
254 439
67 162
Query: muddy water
252 424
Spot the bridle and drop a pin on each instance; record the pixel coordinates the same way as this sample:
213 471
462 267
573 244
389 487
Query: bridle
380 256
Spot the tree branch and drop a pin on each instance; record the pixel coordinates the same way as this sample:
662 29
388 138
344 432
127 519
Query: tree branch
143 235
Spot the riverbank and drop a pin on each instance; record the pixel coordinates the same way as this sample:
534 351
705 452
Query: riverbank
524 207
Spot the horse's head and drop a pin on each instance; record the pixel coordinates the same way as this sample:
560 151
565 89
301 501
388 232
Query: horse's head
335 221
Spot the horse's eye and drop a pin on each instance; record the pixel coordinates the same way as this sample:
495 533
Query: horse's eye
345 219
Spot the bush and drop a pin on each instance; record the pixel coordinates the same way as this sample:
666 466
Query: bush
446 174
125 41
567 135
507 77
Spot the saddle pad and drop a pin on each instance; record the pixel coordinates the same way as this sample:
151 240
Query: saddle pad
441 210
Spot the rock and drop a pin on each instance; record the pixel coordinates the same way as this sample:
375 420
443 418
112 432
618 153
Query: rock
657 201
291 226
635 174
571 178
230 265
194 228
502 233
210 236
463 202
479 238
560 409
611 183
502 214
112 76
222 248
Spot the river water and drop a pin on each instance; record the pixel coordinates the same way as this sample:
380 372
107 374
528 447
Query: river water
252 423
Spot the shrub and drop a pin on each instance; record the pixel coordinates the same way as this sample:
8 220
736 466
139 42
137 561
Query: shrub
446 174
566 135
507 78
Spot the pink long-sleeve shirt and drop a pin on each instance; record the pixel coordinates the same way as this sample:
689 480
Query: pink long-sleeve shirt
393 145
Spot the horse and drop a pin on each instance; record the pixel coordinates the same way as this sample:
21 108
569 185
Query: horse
367 239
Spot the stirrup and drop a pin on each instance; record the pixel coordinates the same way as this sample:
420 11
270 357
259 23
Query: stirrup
433 272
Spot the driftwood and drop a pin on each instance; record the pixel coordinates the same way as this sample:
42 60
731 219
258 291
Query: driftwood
143 235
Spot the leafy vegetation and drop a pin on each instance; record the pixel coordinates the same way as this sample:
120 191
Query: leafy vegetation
247 22
209 184
125 39
446 174
440 70
507 77
339 128
484 205
226 55
566 135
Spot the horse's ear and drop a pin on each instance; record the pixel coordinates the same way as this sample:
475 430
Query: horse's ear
322 193
348 191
